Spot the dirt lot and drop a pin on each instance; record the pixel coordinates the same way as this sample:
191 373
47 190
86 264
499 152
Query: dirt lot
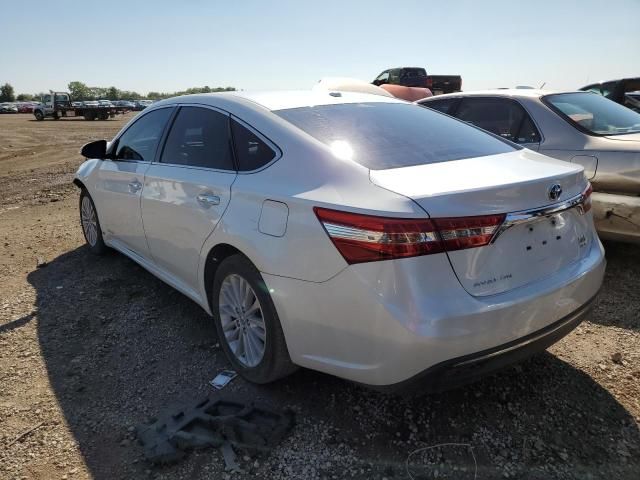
91 347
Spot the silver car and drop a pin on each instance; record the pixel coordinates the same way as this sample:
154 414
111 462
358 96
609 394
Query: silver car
358 235
579 127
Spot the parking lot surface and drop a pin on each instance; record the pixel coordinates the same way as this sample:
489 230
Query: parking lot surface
91 347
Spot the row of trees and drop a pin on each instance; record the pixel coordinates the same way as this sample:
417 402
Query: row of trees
80 91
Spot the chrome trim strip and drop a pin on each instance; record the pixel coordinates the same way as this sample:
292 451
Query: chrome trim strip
535 215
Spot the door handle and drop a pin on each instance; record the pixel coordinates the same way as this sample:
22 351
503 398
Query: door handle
135 186
208 199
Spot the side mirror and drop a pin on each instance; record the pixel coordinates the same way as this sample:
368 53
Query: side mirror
97 149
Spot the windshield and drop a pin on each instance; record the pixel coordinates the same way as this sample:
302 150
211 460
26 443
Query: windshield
594 113
381 135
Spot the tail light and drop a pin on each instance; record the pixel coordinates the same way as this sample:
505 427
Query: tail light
468 232
586 198
429 82
367 238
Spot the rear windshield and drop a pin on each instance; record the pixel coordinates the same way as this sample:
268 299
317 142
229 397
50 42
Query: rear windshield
381 135
594 113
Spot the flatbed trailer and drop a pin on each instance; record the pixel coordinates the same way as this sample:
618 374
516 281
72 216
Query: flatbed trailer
58 105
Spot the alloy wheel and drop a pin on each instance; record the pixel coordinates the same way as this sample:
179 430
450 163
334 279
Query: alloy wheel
242 320
89 221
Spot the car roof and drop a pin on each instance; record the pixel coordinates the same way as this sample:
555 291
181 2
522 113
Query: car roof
500 92
280 100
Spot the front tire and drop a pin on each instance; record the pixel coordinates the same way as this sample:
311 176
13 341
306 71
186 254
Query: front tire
247 323
39 115
91 225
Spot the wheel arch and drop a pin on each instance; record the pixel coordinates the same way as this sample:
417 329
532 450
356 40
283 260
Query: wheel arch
213 260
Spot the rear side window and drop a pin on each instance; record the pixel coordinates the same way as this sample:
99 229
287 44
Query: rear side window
199 137
141 139
380 135
251 152
444 105
501 116
413 77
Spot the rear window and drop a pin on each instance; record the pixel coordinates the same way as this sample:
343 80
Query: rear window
382 135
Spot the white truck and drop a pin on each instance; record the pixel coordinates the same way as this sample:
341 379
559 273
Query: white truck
57 105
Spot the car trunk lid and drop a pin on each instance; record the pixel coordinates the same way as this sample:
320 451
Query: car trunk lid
510 183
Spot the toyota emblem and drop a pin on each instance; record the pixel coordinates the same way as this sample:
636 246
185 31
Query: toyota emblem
555 191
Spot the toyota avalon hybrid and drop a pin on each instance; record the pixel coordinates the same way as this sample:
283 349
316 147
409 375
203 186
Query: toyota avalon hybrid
354 234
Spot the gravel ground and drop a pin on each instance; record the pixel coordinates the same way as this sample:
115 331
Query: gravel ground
91 347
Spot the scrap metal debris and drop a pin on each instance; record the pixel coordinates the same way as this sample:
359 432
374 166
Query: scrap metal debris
214 423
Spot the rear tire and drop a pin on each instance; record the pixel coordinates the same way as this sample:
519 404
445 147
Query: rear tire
91 225
103 116
89 115
247 323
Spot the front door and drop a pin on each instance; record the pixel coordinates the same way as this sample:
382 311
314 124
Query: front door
121 181
187 192
47 103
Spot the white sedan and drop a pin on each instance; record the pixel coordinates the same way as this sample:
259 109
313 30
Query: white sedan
354 234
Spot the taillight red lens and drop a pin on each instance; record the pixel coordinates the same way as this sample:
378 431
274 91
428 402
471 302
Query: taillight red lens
367 238
586 198
467 232
429 82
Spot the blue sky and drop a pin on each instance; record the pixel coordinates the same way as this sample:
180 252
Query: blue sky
250 44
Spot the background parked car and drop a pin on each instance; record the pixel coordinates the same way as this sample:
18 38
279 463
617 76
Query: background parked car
124 104
618 91
142 104
26 107
8 108
578 127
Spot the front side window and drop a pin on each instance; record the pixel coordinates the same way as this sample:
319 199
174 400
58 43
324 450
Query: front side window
251 152
413 77
381 135
501 116
199 137
594 114
383 77
141 139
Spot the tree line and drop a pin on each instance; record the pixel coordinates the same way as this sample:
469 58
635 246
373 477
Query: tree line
81 92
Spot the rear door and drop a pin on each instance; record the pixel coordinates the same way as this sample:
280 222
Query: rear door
188 190
502 116
119 181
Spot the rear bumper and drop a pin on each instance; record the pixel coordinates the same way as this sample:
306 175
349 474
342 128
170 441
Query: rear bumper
384 323
469 368
617 217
